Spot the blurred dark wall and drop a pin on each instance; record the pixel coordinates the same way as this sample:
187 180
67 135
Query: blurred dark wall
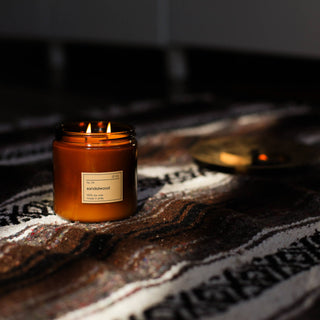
56 55
130 72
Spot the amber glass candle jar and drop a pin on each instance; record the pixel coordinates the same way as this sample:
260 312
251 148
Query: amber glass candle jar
95 171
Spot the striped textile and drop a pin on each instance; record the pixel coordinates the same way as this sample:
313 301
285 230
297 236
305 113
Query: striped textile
203 244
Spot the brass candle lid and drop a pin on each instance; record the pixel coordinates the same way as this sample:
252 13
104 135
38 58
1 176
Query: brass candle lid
250 153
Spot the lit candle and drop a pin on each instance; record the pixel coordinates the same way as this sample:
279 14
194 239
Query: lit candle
95 171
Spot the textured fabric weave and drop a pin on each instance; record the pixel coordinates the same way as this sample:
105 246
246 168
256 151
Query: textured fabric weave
203 244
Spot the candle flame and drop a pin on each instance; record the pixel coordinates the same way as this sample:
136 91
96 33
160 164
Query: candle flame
109 127
263 157
89 128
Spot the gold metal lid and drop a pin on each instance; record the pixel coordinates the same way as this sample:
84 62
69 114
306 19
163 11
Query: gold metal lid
250 153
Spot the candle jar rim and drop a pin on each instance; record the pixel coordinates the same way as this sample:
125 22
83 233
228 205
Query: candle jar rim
78 129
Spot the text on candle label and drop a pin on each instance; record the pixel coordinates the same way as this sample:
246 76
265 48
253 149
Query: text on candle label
102 187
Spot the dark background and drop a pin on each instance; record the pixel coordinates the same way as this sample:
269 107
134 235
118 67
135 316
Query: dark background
236 60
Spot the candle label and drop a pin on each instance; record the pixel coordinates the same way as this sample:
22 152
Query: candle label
102 187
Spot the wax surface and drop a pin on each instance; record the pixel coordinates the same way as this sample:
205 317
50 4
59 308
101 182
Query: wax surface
70 161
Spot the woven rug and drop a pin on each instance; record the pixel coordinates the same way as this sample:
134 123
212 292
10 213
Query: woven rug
203 244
